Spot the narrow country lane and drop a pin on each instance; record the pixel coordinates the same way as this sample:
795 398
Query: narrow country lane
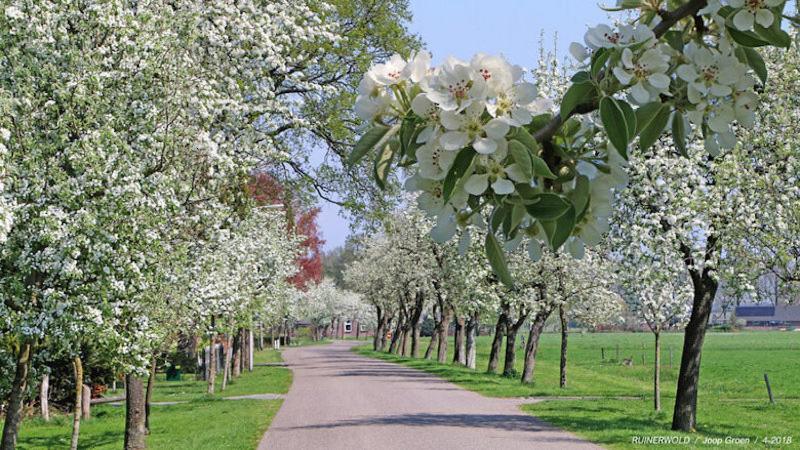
340 400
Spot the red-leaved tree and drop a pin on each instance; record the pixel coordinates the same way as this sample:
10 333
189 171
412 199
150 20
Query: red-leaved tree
266 190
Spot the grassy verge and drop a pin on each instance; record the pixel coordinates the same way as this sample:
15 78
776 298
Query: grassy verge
733 400
203 423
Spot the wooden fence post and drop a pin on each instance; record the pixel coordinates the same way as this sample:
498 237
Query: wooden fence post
769 389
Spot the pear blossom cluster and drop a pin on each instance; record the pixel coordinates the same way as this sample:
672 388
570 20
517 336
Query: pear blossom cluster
479 136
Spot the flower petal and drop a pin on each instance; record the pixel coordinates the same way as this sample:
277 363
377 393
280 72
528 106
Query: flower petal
503 186
484 146
477 184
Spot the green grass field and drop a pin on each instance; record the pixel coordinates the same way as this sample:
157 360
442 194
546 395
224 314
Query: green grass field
202 423
732 400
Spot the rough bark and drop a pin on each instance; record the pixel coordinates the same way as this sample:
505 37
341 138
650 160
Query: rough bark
434 336
148 398
396 336
562 315
227 343
135 431
657 373
459 349
444 325
511 344
212 366
77 368
16 397
416 317
387 326
379 329
497 341
44 397
685 414
533 345
237 354
472 326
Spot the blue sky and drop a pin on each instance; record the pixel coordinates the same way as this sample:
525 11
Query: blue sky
464 27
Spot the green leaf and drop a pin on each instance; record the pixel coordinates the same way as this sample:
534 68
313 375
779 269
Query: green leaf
774 34
652 118
522 135
752 58
599 59
581 92
745 38
372 138
580 195
563 228
457 171
679 132
614 121
497 259
675 39
383 164
541 169
521 156
547 206
630 118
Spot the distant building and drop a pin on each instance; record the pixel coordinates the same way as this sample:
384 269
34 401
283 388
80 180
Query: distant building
768 315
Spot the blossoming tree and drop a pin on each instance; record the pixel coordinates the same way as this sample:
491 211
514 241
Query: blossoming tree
476 139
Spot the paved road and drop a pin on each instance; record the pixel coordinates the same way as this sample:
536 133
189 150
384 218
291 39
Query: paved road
340 400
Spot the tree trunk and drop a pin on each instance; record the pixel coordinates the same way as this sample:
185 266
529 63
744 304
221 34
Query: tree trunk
404 341
387 326
237 354
16 397
77 368
459 350
379 329
44 397
416 317
564 334
148 397
434 342
511 345
395 336
212 365
657 374
249 350
497 341
444 326
135 431
533 345
227 343
685 414
437 317
472 325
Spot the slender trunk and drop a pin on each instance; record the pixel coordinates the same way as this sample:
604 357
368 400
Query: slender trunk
44 397
533 345
212 365
395 336
472 325
404 346
16 397
657 374
685 414
358 330
227 343
444 326
387 326
135 431
378 329
437 317
434 342
148 397
250 350
564 334
237 354
416 317
77 368
511 345
497 341
459 350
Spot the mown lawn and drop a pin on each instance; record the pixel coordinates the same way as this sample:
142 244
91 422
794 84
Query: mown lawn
202 423
732 401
